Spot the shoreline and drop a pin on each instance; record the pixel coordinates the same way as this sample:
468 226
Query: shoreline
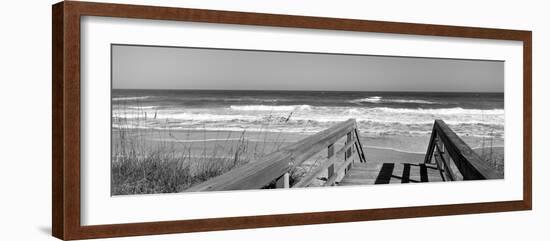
414 152
203 141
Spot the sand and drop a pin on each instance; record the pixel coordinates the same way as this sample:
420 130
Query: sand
200 143
252 146
224 143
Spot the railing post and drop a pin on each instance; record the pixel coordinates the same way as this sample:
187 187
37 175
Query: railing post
430 151
283 181
359 146
348 153
444 158
329 155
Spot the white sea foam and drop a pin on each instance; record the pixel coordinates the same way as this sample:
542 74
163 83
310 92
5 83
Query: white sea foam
374 99
142 107
377 121
184 116
367 130
384 115
277 108
296 129
411 101
442 111
131 98
378 99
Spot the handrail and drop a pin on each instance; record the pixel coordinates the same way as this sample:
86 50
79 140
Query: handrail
306 180
447 145
276 165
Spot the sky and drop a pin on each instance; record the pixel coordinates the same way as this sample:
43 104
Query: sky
150 67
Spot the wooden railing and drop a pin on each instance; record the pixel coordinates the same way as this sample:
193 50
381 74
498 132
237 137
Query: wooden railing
277 165
454 157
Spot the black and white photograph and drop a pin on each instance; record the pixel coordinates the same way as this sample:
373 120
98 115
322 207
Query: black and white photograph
202 119
274 120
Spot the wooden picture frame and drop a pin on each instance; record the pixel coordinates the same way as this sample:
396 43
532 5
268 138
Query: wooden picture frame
66 89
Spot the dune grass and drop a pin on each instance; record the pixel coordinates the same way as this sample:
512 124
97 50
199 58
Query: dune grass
140 166
494 156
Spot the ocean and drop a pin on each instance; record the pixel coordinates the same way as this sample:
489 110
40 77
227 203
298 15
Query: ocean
478 116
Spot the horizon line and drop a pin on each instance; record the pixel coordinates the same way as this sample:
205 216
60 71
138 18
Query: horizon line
397 91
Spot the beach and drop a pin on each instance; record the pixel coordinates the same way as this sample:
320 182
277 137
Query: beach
199 148
222 130
200 143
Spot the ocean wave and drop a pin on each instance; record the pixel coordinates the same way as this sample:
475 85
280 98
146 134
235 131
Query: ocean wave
330 110
306 113
411 101
374 99
131 98
142 107
374 111
378 99
277 108
229 99
442 111
184 116
297 129
367 131
373 121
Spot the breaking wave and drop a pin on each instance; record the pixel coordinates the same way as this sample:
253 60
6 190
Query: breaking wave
378 100
131 98
277 108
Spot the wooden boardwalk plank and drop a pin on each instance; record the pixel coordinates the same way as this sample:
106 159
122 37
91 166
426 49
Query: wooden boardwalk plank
388 173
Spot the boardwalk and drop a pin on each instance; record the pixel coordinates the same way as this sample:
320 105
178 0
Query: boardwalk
374 172
448 158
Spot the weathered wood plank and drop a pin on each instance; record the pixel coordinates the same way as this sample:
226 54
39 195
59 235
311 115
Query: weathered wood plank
349 138
370 173
331 166
283 182
443 163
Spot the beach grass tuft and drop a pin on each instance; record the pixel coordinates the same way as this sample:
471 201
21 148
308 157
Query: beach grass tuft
138 168
168 165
